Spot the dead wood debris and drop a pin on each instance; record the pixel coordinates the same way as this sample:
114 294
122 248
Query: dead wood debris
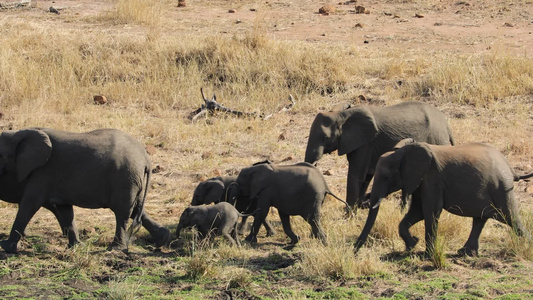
211 106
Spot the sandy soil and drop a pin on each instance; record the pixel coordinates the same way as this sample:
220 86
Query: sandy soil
462 26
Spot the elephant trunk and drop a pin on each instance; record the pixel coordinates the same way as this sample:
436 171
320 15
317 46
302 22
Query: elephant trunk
313 153
370 220
178 230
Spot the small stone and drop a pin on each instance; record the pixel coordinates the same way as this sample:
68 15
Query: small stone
419 16
508 24
329 172
281 137
288 158
359 25
151 150
207 155
327 9
99 100
232 11
360 9
157 169
182 4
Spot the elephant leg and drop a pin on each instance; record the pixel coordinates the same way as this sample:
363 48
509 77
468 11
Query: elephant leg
65 216
158 232
259 218
431 223
363 195
226 231
242 225
317 230
286 222
235 235
510 215
413 216
472 244
120 240
270 230
26 211
358 165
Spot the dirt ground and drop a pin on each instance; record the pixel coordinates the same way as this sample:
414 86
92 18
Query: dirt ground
430 25
462 26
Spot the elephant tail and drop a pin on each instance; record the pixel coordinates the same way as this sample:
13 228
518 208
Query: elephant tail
250 214
335 196
518 177
138 209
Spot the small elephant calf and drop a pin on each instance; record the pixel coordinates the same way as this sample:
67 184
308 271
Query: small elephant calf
219 219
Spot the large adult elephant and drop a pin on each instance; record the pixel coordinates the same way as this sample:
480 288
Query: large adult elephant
55 169
471 180
364 133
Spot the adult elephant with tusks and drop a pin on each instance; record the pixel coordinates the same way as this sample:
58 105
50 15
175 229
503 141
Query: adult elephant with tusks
471 180
105 168
364 133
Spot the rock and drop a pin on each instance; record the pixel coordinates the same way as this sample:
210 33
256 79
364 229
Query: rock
329 172
360 9
182 4
207 155
281 137
151 150
53 10
508 24
327 9
232 11
419 16
99 100
288 158
157 169
359 25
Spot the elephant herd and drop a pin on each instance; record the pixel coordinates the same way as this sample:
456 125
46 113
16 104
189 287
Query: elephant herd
406 147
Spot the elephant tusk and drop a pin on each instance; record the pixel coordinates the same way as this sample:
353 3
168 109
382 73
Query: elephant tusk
377 204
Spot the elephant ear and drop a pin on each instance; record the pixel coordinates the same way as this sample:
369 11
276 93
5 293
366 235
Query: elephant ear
214 192
359 129
232 192
33 151
260 179
416 161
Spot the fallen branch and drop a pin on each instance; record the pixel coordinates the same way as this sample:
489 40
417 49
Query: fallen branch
211 106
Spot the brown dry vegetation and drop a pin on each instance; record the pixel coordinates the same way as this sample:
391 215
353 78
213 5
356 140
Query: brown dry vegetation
150 59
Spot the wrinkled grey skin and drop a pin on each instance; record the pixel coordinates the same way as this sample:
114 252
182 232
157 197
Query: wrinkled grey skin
54 169
226 189
364 133
472 180
297 189
220 219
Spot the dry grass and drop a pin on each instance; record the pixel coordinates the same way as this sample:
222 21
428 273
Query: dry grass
152 79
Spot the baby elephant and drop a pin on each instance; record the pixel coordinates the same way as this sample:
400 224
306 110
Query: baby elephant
472 180
220 219
297 189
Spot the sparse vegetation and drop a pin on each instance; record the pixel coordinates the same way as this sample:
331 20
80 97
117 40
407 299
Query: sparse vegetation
150 59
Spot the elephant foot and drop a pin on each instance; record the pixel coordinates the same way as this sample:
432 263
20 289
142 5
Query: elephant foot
465 251
410 244
73 243
162 237
251 238
9 247
271 233
118 246
295 240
